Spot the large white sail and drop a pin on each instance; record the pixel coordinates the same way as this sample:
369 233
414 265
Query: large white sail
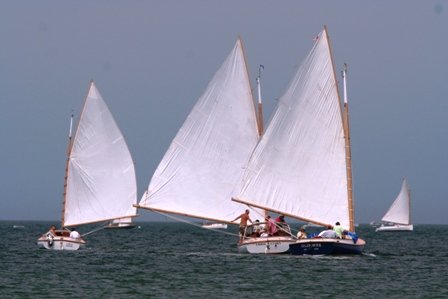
101 182
207 157
299 166
399 212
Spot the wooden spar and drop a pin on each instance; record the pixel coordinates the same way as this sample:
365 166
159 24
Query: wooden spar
182 214
346 128
348 154
240 40
349 168
260 117
69 150
279 212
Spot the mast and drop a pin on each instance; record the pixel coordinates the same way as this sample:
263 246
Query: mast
69 150
346 128
348 152
260 105
409 201
260 117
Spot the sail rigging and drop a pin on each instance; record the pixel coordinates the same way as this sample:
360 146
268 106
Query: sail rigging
101 182
206 158
299 167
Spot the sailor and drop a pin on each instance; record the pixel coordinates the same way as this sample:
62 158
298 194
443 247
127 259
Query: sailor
74 234
339 230
243 223
329 233
301 234
50 235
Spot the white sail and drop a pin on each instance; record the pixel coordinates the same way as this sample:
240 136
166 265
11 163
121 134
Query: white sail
299 166
206 158
101 182
400 212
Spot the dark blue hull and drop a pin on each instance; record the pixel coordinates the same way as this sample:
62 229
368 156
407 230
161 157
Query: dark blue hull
326 246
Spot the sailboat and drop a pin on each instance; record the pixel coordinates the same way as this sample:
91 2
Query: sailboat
398 217
122 222
214 225
302 165
206 158
100 183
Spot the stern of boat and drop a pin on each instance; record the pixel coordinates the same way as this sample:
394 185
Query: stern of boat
60 243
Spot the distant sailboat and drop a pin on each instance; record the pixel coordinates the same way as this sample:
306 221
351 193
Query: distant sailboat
398 217
302 165
215 225
100 182
122 222
207 156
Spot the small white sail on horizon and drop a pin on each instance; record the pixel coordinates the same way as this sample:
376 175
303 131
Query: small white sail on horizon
206 158
399 213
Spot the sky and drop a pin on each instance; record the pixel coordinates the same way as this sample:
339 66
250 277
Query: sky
151 61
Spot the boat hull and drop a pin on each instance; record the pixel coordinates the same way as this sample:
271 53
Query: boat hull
266 245
326 246
395 228
60 243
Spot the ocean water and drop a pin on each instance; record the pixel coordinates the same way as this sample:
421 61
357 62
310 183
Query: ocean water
177 260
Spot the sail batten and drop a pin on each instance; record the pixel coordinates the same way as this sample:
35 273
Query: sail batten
199 171
101 182
299 166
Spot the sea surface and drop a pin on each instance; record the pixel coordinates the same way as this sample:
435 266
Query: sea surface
178 260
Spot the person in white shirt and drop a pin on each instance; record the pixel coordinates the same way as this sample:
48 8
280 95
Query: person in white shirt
328 234
74 234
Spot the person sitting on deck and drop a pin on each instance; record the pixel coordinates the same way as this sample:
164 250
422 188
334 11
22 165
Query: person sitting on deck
301 234
281 225
52 231
50 235
74 234
329 233
256 228
339 230
271 226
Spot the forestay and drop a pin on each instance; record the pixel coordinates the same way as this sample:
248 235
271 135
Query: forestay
399 212
101 182
207 157
299 166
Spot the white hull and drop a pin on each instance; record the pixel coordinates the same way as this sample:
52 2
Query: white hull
215 226
121 225
395 228
266 245
60 243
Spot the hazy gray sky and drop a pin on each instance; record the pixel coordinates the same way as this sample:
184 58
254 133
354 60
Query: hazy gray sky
151 60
